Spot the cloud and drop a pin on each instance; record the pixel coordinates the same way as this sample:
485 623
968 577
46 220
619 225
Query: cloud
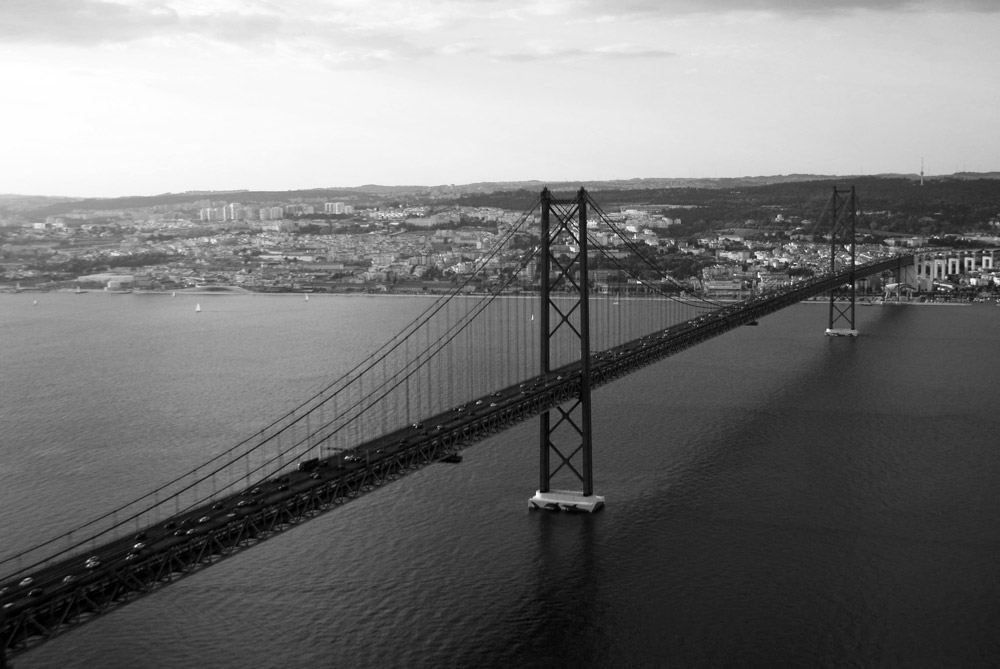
612 52
92 22
79 21
347 33
671 8
378 31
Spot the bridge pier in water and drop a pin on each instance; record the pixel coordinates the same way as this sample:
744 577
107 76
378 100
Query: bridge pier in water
568 439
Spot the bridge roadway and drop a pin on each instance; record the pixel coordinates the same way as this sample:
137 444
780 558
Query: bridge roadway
39 603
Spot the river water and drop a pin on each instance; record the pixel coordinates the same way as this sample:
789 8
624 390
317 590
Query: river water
774 497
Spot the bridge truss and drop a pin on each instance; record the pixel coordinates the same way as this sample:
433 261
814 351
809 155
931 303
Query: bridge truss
569 437
843 247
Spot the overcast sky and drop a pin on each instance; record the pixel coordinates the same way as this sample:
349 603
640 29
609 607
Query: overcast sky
137 97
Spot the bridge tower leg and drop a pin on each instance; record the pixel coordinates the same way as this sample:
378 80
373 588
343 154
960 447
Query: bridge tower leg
910 275
565 444
844 210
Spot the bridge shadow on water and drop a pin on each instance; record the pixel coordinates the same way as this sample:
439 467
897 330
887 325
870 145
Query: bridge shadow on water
796 520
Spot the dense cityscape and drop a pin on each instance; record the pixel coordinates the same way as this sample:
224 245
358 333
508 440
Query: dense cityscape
421 244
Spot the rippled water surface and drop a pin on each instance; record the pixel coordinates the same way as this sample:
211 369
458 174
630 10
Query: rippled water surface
775 497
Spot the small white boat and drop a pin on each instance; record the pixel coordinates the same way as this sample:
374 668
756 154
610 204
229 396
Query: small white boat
174 294
197 308
307 299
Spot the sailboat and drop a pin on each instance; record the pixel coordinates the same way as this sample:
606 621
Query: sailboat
197 308
307 299
78 291
173 294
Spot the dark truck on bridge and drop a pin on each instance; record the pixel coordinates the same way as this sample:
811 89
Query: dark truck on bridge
309 465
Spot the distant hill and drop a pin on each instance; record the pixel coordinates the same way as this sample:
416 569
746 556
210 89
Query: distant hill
677 191
976 175
16 203
640 184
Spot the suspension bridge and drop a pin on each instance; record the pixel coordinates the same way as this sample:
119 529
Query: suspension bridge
523 334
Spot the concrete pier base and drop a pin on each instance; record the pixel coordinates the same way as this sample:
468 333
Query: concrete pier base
841 332
563 500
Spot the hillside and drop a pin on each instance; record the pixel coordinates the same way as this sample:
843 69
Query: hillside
893 203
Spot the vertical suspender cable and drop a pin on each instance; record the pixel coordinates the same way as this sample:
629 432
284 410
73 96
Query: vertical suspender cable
469 373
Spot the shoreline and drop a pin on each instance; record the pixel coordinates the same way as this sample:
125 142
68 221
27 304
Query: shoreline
240 291
893 303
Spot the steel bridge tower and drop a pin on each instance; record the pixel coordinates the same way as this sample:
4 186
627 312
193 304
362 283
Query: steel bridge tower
565 444
843 207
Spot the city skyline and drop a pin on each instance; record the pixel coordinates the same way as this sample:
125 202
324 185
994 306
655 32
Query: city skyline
104 99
